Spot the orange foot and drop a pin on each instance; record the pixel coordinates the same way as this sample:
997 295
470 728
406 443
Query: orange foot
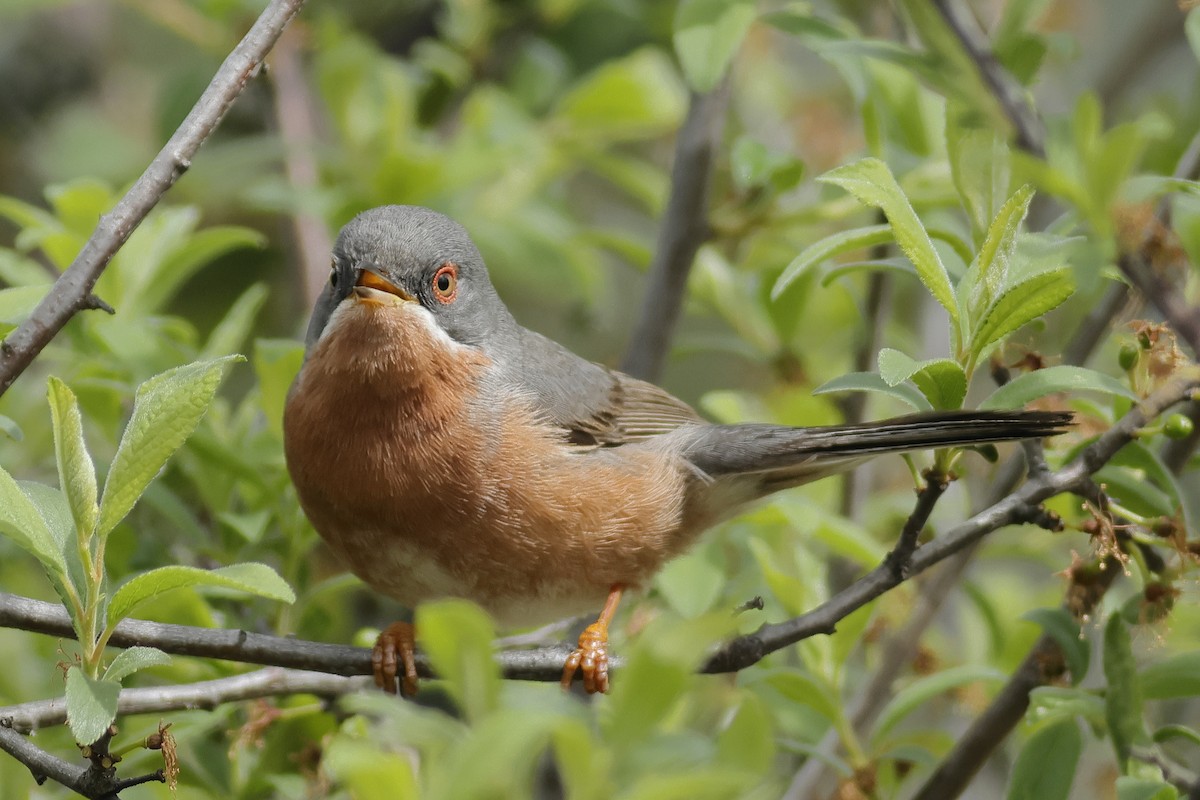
394 648
590 658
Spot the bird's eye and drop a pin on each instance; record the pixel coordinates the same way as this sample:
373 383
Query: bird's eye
333 274
445 283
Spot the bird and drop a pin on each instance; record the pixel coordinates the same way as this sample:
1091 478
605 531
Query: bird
443 450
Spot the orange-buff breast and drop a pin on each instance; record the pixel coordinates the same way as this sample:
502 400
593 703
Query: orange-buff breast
430 482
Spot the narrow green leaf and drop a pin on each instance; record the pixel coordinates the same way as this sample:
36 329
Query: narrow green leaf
91 705
873 382
830 246
1058 624
166 410
925 689
1032 385
1169 732
1019 305
21 521
817 694
628 98
748 742
1174 677
873 184
76 472
1123 696
457 635
1048 703
252 578
708 34
1045 767
979 166
232 331
130 661
988 274
1191 27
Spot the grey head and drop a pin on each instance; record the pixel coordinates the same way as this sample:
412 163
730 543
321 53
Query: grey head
419 251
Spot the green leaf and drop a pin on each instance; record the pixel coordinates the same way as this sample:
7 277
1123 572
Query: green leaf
628 98
1174 677
1169 732
1045 767
1123 697
1039 383
21 521
166 410
457 635
130 661
1130 788
276 364
76 472
872 183
873 382
1191 27
819 251
252 578
988 274
708 34
747 742
923 690
806 690
979 166
941 380
1058 624
1019 305
91 705
10 428
232 331
1047 703
692 582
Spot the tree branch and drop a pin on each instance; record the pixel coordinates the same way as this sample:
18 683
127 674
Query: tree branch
684 229
73 289
269 682
1008 92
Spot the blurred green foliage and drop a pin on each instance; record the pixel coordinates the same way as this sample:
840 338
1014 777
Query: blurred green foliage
862 145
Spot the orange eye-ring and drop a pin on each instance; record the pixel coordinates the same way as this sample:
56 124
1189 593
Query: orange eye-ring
445 283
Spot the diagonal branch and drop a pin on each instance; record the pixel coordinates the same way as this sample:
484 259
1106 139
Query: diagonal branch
73 289
684 229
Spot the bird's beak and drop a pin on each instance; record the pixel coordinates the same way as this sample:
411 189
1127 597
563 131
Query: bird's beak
368 279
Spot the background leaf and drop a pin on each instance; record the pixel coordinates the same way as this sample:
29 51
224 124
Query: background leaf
256 579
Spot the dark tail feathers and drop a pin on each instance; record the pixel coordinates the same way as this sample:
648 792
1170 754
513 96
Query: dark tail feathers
724 449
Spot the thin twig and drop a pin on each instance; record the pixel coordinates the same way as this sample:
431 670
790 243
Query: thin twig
269 682
73 288
296 117
684 229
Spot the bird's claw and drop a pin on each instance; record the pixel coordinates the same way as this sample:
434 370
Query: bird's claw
590 659
395 648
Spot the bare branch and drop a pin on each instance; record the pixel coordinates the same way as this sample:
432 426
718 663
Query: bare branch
684 229
269 682
296 116
1008 92
72 291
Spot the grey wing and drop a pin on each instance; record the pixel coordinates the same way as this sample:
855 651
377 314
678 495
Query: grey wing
593 405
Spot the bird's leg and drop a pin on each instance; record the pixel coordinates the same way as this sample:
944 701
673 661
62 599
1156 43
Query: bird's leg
590 657
396 647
